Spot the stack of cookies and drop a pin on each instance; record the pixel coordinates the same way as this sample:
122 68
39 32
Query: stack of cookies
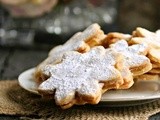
90 63
141 35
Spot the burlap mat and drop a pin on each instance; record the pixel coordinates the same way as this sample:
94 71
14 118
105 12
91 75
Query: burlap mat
16 101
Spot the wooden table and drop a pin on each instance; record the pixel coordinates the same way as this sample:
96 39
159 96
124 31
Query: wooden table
13 61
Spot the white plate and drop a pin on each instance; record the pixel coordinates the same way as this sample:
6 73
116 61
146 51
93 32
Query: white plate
140 92
26 81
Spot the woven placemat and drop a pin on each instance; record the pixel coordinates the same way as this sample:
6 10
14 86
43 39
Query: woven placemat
16 101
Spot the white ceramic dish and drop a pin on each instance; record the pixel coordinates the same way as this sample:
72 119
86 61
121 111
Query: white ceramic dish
141 92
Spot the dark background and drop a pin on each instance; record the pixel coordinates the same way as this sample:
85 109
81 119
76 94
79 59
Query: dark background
130 14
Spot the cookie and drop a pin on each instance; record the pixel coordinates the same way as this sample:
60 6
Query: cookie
158 32
142 35
147 76
81 42
155 71
154 55
81 78
28 8
142 32
113 37
91 36
134 55
126 75
155 64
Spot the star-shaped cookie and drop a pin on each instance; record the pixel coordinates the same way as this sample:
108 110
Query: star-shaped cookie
135 59
81 42
81 77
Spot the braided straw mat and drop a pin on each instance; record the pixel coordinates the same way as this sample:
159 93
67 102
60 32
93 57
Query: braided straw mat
16 101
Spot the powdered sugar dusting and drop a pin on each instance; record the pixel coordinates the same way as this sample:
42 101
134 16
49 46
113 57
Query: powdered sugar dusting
74 43
77 41
150 38
153 41
81 73
131 53
139 48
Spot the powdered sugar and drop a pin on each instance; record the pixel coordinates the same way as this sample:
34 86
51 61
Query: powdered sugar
150 38
81 73
73 44
131 53
77 41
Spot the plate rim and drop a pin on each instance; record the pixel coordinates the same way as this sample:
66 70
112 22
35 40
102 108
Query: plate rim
31 70
20 81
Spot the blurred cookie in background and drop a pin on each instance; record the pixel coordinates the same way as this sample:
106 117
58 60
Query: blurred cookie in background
28 8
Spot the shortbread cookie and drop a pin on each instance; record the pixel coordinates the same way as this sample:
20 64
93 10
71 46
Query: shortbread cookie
53 59
126 75
155 71
147 77
81 77
150 41
142 32
28 8
155 64
81 42
91 36
113 37
142 35
158 32
134 56
154 55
